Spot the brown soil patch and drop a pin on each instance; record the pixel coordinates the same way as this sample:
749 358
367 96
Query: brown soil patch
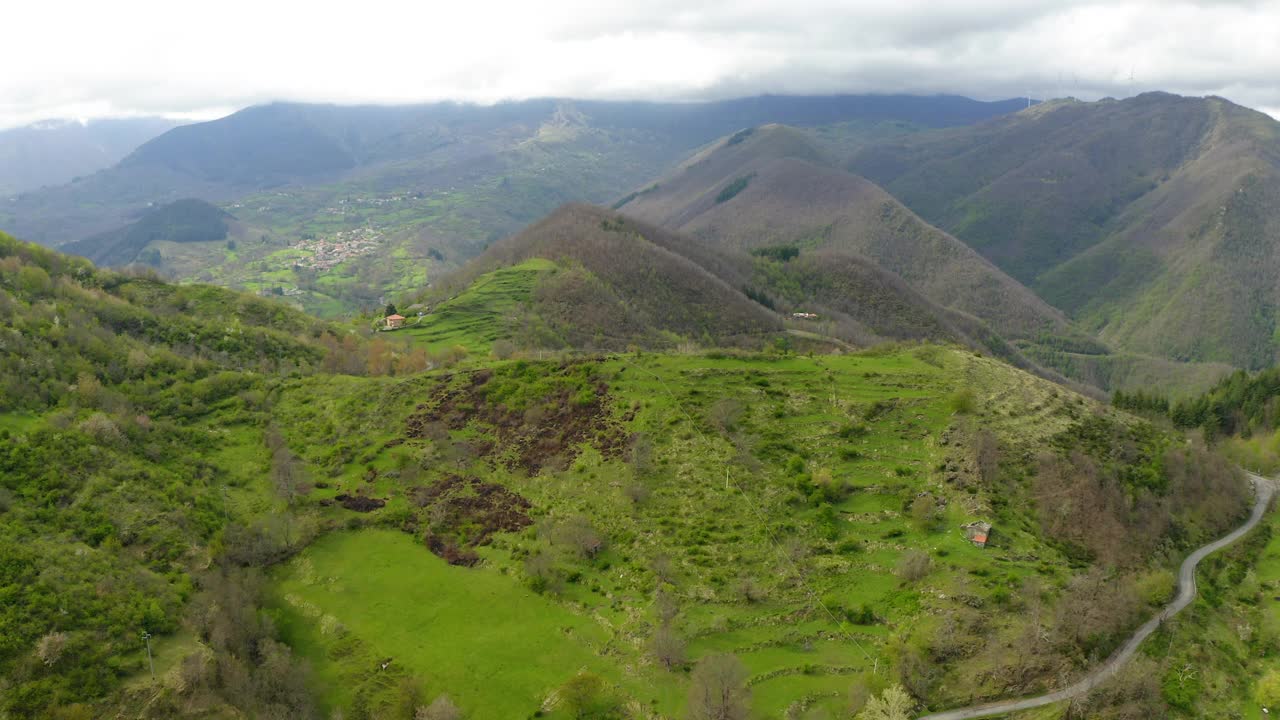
359 503
464 513
548 434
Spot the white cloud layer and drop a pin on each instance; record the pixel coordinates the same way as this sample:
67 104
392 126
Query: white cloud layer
87 58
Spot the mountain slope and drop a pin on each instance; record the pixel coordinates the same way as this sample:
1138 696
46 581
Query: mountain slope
181 221
622 282
57 151
433 183
614 281
1152 220
132 415
767 188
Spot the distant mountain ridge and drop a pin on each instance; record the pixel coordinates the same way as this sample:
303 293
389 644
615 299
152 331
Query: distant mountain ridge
1155 220
789 196
273 145
53 152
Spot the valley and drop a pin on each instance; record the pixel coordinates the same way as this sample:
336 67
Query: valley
798 408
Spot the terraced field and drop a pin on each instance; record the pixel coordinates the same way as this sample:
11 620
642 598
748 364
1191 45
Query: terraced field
481 314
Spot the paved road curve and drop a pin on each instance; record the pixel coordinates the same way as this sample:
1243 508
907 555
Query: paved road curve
1263 490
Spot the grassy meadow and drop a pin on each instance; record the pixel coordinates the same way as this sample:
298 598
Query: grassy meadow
729 510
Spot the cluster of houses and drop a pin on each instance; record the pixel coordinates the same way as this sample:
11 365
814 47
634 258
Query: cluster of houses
343 203
337 248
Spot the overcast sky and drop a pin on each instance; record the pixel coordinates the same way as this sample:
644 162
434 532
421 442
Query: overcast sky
92 58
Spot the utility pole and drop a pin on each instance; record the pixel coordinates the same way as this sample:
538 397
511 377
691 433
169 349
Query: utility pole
147 637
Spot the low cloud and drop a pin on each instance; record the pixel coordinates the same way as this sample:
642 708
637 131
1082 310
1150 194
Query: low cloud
88 59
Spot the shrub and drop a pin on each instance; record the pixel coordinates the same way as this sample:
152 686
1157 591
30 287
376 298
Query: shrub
585 696
732 189
913 566
963 402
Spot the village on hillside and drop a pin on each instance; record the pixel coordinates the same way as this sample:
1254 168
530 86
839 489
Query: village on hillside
341 246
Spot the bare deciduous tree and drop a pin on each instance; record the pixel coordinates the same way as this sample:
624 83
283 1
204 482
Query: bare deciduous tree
665 605
718 689
667 646
49 648
913 566
442 708
578 534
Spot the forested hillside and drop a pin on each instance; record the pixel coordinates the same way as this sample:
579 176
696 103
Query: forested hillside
769 187
587 277
136 455
1149 219
776 189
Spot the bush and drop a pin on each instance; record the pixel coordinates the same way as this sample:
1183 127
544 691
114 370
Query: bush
962 402
585 696
913 566
732 189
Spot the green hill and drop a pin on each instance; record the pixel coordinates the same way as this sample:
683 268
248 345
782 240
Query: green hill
308 524
131 420
1149 220
181 221
589 277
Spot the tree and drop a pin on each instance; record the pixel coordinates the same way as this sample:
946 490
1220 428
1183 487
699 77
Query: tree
725 415
924 512
50 647
586 698
667 646
543 574
380 358
913 566
718 689
664 568
665 605
748 590
442 708
408 698
892 704
578 534
391 310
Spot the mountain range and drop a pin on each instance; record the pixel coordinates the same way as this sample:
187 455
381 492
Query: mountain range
1150 220
55 152
433 184
1114 241
768 408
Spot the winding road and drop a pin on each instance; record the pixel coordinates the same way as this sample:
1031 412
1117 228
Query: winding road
1263 489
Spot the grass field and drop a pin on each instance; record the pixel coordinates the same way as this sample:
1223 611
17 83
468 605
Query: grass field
462 631
740 449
